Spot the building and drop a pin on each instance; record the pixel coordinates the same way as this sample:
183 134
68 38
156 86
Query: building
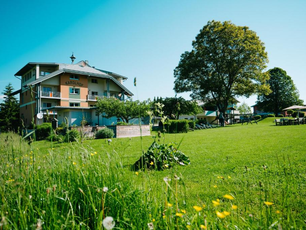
67 92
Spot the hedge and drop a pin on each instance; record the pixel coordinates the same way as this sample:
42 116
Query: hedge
177 126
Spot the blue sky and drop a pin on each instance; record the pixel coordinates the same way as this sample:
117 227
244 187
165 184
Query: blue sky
143 38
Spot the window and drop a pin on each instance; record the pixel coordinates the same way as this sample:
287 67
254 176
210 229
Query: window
47 105
72 104
74 90
94 81
93 93
44 73
74 77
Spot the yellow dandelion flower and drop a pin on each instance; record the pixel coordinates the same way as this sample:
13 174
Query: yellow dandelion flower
74 163
216 203
226 213
228 197
68 181
137 173
188 226
179 214
153 220
215 186
218 200
92 154
220 215
95 153
278 212
164 217
203 205
151 163
183 211
228 177
268 203
197 208
234 207
169 205
203 226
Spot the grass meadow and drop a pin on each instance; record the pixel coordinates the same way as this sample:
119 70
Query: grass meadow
240 177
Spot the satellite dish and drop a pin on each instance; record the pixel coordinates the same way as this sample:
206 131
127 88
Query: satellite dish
40 115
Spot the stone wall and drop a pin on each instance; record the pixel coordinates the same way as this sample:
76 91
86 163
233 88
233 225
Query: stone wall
132 131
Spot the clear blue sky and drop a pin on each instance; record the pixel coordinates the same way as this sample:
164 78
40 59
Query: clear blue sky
143 38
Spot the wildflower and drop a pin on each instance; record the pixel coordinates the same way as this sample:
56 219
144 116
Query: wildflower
39 224
108 223
179 214
215 186
220 215
197 208
74 163
278 212
216 203
228 197
95 153
105 189
181 163
268 203
153 220
166 165
188 226
234 207
228 177
183 211
30 197
169 205
151 163
151 226
203 205
176 177
137 173
68 181
203 226
92 154
109 141
226 213
166 179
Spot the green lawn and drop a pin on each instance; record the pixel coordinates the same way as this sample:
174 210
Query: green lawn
61 184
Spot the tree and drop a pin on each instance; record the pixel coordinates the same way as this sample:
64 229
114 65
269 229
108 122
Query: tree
244 108
284 93
174 107
125 110
9 111
226 61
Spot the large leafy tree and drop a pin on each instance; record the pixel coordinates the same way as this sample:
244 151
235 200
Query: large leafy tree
125 110
174 107
9 111
284 93
226 61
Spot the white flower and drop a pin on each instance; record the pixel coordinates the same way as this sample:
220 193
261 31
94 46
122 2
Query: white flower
181 163
175 158
108 223
105 189
166 179
151 226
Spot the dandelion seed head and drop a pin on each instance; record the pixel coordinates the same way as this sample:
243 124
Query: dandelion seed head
108 223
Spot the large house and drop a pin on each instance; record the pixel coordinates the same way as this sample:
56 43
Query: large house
67 92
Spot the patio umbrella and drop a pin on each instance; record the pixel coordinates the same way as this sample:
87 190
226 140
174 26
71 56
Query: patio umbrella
297 107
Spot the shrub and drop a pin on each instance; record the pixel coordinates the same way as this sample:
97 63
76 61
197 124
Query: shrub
271 115
105 133
280 115
177 126
191 124
257 117
72 136
43 131
122 123
295 114
160 157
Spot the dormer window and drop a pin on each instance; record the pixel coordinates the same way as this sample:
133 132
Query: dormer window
74 77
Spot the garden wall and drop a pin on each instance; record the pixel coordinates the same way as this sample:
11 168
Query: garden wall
130 130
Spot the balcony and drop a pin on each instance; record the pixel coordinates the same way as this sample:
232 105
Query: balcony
50 94
50 112
93 97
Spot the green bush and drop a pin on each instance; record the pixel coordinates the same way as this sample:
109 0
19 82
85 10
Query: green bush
122 123
295 114
271 115
280 115
43 131
105 133
191 124
160 157
177 126
72 136
257 117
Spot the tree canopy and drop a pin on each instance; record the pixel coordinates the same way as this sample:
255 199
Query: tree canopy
9 111
226 61
125 110
244 108
284 93
174 107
